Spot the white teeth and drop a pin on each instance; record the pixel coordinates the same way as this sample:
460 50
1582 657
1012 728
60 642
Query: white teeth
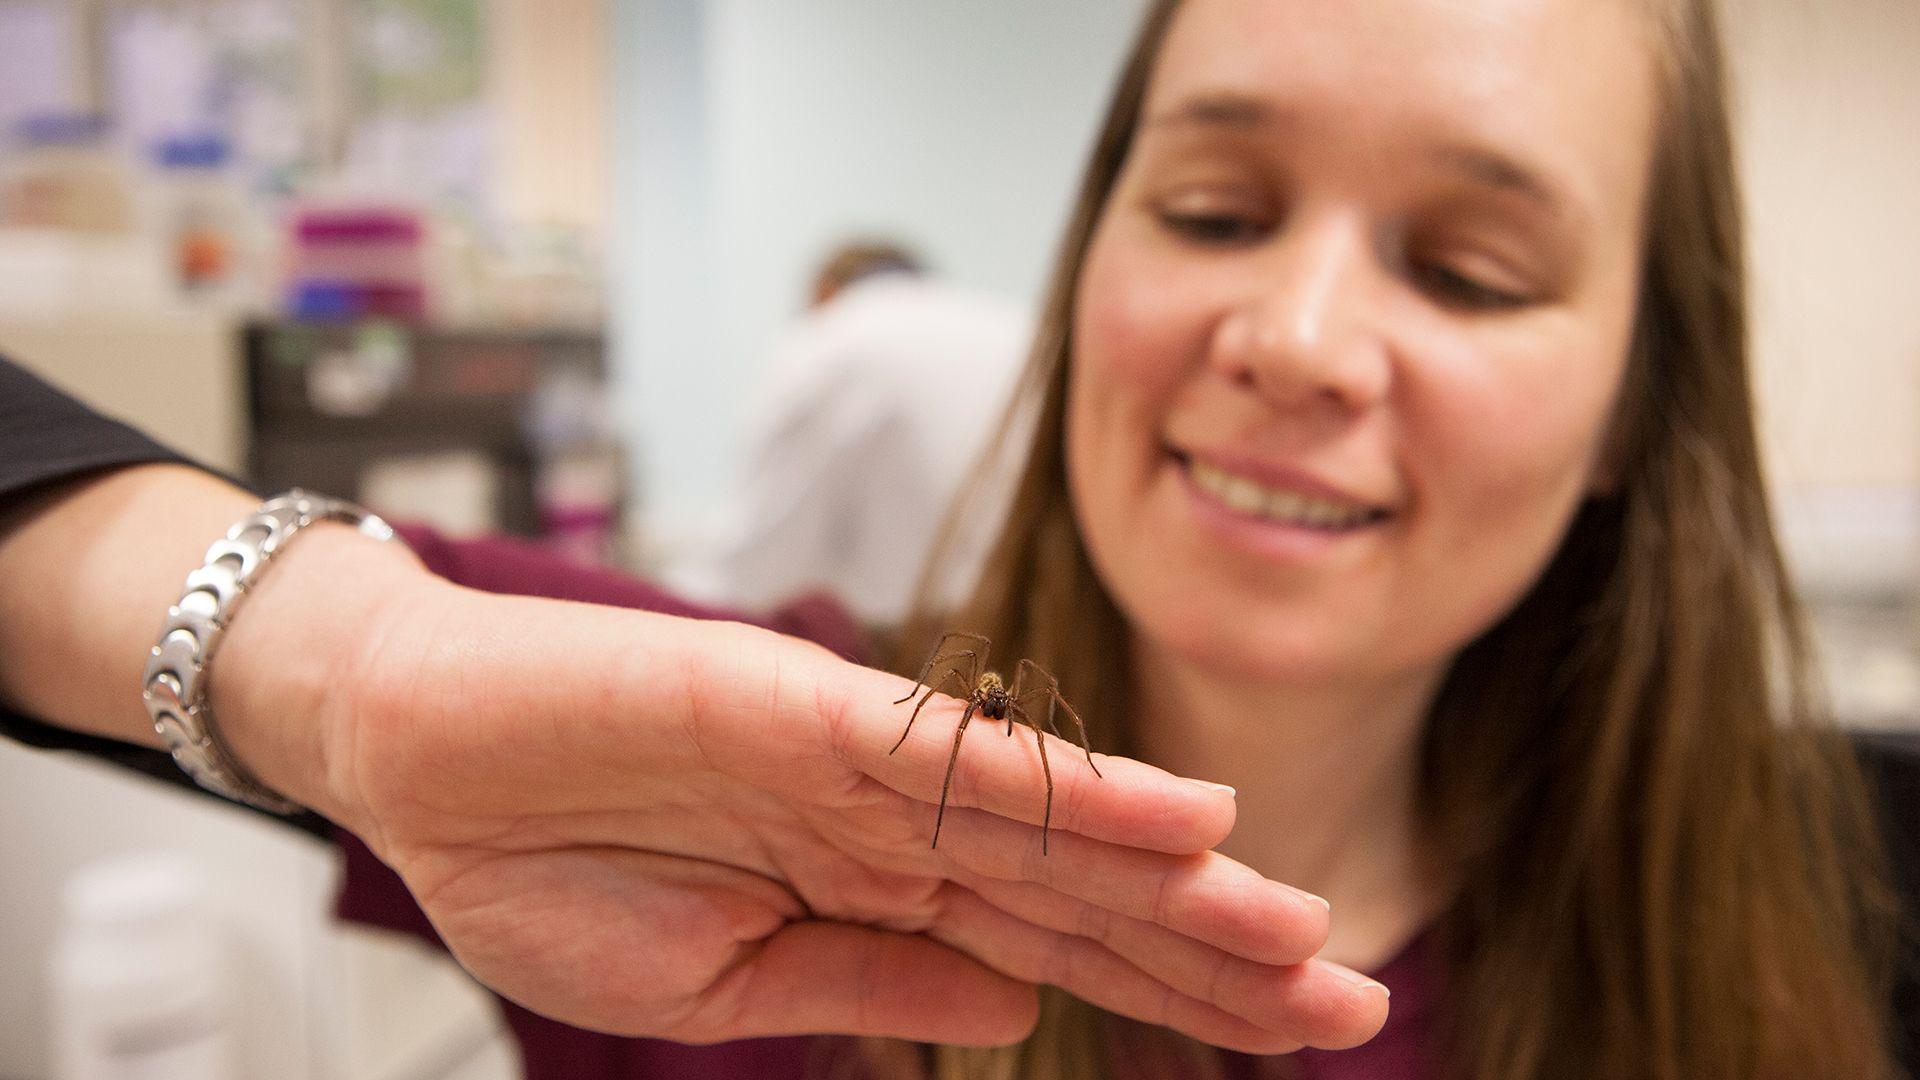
1288 507
1243 495
1248 497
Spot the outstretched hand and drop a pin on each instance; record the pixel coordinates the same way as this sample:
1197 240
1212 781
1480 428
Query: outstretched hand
692 830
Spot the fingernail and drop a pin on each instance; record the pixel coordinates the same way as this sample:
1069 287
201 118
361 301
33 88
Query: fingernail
1321 900
1354 978
1211 786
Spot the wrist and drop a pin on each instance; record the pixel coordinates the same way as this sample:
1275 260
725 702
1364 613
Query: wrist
284 686
97 560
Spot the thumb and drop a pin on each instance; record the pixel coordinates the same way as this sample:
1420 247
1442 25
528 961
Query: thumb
820 977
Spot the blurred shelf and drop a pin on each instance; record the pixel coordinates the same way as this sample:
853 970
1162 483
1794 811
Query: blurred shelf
468 427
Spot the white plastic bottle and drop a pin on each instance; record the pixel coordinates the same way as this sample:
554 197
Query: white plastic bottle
140 975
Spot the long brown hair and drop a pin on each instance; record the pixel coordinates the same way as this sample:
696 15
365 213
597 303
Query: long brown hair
1670 867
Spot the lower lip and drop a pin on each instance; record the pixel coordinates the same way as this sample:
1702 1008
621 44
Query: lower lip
1262 536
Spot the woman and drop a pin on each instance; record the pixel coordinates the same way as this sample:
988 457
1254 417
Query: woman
1395 465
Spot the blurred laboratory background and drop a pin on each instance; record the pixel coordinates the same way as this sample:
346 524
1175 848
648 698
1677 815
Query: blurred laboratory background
552 268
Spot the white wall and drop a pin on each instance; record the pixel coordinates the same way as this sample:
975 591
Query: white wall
959 125
1829 110
548 93
664 367
1830 121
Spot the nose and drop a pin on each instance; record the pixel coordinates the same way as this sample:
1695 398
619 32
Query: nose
1302 334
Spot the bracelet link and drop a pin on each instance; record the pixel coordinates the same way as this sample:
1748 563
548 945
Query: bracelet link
173 685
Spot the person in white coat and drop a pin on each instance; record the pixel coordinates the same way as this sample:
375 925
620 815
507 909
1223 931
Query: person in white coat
874 406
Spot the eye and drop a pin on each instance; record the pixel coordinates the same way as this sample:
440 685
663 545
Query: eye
1213 229
1460 290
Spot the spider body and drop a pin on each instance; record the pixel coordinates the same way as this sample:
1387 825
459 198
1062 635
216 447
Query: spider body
992 698
986 694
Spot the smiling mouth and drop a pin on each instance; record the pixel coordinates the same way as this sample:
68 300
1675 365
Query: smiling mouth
1279 505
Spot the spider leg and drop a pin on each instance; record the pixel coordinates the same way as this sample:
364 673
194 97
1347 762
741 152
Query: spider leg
931 690
1053 696
939 647
1052 690
936 656
952 760
1013 692
916 715
1019 676
1046 819
1028 717
1051 726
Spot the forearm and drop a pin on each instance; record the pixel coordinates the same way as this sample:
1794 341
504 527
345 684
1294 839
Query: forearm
90 568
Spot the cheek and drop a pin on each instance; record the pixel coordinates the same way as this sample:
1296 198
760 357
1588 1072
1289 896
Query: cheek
1137 325
1138 331
1515 442
1555 403
1505 450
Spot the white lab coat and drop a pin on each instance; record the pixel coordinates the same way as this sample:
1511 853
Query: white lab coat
873 409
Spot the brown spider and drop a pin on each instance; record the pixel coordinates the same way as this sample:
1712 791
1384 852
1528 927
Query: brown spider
987 695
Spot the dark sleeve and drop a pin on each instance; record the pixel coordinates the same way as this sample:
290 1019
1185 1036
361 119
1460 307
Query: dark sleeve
1891 764
47 437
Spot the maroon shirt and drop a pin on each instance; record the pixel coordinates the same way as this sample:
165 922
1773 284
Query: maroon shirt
373 894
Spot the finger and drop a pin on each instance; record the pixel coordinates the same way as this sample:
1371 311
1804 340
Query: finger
1091 972
1316 1003
1207 896
827 977
1128 802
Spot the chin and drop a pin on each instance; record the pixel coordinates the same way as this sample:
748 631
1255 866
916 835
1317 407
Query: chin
1276 648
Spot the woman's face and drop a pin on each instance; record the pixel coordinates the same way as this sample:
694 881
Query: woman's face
1352 323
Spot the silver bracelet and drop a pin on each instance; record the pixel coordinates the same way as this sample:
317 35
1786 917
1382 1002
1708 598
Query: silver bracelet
174 686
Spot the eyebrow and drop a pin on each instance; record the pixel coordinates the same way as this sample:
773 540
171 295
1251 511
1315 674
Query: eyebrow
1241 112
1218 110
1501 173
